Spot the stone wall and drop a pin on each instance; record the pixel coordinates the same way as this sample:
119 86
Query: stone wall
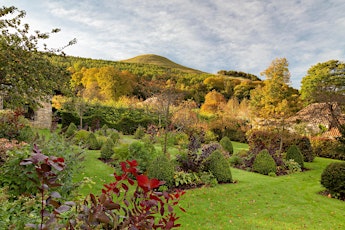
43 116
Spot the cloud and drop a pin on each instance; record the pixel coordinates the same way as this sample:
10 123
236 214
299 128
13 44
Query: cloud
210 35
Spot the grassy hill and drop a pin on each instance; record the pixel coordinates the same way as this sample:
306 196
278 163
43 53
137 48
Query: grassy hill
157 60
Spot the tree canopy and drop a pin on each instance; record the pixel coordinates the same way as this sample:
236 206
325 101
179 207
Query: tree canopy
324 82
27 75
275 99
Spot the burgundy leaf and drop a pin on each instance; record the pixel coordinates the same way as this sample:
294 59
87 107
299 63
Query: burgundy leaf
55 195
62 209
46 168
124 186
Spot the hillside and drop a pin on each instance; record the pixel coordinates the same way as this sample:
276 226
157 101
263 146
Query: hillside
157 60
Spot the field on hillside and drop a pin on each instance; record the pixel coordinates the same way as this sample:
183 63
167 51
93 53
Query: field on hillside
254 202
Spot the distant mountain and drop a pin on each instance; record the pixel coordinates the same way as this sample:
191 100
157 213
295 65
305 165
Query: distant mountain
160 61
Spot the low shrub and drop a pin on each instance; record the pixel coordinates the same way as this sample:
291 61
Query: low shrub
295 154
225 142
235 160
107 149
81 137
190 162
26 134
219 167
208 179
71 130
11 124
139 133
292 166
114 135
185 179
324 147
304 145
333 179
162 169
264 163
92 142
144 153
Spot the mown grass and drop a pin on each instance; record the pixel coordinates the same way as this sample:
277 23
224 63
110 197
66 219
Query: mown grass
262 202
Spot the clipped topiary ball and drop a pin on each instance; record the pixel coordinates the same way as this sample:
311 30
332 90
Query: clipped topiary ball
264 163
295 154
306 148
225 142
162 169
333 179
219 167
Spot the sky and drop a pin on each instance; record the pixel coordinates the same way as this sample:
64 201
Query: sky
208 35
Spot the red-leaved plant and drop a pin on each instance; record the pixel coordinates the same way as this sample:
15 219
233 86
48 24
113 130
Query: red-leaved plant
130 203
46 178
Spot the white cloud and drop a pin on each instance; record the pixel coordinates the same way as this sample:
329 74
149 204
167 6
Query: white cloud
209 35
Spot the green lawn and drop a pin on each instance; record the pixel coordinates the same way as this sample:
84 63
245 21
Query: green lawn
254 202
262 202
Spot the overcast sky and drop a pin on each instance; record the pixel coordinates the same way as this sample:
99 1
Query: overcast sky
209 35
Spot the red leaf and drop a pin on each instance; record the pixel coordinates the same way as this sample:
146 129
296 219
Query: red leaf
124 186
182 209
170 209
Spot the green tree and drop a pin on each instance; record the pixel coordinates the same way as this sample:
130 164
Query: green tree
324 82
279 68
27 75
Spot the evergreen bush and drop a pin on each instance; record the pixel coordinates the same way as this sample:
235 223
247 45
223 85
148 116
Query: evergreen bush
72 128
295 154
225 142
144 153
264 163
333 179
93 142
81 137
162 169
219 167
305 146
107 149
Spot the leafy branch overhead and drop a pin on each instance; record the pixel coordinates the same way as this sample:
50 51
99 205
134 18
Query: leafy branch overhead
26 74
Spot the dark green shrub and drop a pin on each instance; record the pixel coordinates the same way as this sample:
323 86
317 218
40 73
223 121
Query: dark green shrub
92 142
107 150
81 137
303 143
72 128
144 153
333 179
295 154
219 167
162 169
26 134
264 163
225 142
139 133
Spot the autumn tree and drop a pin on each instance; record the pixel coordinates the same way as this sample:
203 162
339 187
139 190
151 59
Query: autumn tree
213 102
275 99
27 75
278 69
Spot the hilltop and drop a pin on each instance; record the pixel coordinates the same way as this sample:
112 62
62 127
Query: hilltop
153 59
